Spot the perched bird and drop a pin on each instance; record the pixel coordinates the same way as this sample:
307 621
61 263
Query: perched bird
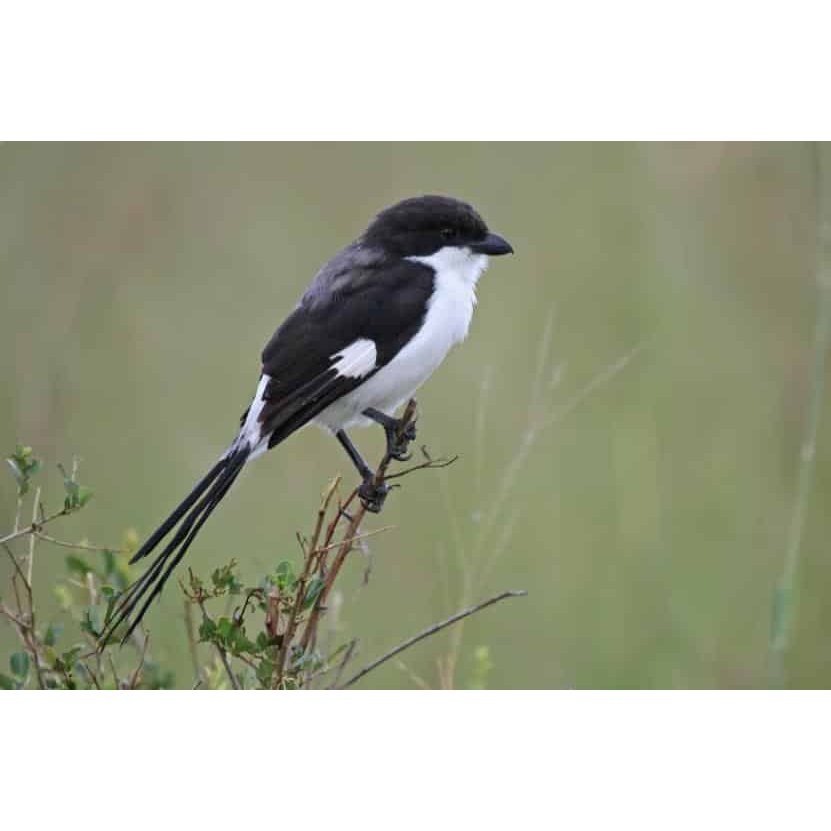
374 324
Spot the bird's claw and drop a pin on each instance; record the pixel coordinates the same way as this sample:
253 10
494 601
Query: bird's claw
397 443
372 494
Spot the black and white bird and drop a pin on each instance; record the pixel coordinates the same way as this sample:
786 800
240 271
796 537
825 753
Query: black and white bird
374 324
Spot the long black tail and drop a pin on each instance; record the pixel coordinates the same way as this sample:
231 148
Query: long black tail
192 513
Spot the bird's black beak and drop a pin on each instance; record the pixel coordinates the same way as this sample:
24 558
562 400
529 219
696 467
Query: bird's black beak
492 244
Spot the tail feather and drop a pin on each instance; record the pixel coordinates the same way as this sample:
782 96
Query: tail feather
192 512
164 529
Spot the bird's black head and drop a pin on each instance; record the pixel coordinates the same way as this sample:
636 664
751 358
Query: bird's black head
423 225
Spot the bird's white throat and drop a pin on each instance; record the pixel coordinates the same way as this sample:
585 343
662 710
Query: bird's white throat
451 307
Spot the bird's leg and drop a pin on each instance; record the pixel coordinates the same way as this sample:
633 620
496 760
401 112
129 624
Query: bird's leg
398 439
371 493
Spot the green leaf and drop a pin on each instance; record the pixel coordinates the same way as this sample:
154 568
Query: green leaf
76 495
19 664
225 580
303 660
53 632
265 669
78 565
225 627
23 466
264 641
196 584
63 596
70 655
339 651
91 621
207 630
313 591
240 643
284 575
111 597
110 564
71 489
16 471
7 683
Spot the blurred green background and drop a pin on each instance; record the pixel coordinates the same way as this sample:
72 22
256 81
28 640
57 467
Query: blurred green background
647 514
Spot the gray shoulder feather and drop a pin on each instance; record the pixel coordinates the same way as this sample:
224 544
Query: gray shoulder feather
348 270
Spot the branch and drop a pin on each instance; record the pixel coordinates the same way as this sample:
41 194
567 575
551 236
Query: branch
35 527
344 661
408 417
431 464
77 546
25 619
431 630
134 678
223 655
312 556
20 573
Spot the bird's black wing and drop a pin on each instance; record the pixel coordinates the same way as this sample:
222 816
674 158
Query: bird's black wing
355 297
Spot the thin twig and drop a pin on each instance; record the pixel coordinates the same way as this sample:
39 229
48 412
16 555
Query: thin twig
430 464
20 573
192 646
17 513
358 537
134 678
312 556
116 679
26 633
34 527
320 604
347 656
78 546
11 616
431 630
35 505
222 654
25 619
224 657
92 676
321 511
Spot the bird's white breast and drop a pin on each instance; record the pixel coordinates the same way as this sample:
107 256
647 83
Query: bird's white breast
446 323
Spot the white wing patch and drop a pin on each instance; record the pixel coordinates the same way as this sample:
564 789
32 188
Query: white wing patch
357 360
251 429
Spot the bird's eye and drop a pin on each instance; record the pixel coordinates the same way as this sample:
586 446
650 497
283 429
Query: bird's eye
448 233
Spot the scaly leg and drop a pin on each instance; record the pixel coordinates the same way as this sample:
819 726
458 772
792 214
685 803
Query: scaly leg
371 494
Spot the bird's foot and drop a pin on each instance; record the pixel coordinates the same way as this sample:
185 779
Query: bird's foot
398 441
373 494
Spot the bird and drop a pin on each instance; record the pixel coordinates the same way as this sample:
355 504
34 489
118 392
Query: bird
374 324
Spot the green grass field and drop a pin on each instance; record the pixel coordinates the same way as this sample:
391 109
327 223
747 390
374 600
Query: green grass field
644 503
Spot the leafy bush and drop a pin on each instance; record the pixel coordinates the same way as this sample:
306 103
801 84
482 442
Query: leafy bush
266 635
